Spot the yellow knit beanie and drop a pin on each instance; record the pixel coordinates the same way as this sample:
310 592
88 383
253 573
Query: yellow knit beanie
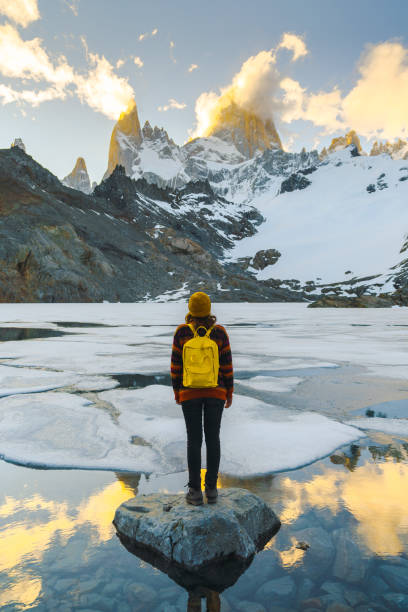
199 304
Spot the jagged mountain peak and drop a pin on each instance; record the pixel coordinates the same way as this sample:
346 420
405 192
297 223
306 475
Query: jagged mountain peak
397 149
78 178
156 134
341 142
125 140
247 131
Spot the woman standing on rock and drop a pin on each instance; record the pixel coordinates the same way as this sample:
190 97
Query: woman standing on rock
202 378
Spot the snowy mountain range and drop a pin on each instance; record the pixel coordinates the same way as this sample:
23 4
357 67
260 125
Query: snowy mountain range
247 220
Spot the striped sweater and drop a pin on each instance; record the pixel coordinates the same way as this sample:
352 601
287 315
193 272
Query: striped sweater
225 386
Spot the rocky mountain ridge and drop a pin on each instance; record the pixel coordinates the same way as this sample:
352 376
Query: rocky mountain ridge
129 241
269 225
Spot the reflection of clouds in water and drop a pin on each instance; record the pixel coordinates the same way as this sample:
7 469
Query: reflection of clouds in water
292 556
375 494
24 592
28 541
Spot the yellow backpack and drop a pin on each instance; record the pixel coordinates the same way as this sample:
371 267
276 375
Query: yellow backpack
200 360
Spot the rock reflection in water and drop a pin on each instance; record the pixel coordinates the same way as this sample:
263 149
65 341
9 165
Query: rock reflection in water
10 334
215 576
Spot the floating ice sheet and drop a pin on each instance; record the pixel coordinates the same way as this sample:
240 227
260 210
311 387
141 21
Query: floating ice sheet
57 429
272 383
15 380
389 426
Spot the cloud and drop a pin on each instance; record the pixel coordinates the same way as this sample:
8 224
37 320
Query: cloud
148 34
9 95
120 63
193 67
73 5
375 107
322 108
138 61
293 43
172 45
172 104
102 89
22 12
27 61
253 88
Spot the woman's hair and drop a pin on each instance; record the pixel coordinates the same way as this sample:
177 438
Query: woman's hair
207 321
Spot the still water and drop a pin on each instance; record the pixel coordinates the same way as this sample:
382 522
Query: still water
343 544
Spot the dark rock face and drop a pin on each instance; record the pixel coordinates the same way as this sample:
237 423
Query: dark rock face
295 181
364 301
128 241
265 258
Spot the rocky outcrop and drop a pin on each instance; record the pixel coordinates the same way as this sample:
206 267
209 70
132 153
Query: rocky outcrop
364 301
396 150
265 258
295 181
78 178
17 142
197 541
351 139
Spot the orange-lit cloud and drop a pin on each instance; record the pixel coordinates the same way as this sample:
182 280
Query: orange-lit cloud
100 87
252 88
27 59
22 12
256 87
138 61
172 104
374 107
193 67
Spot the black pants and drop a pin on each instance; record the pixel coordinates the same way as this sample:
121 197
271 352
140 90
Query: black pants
193 415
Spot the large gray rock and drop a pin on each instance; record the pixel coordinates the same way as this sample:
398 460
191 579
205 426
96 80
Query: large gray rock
188 541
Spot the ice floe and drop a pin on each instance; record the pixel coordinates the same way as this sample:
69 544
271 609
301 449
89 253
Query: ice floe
389 426
272 383
146 432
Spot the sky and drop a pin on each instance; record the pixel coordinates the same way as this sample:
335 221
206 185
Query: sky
318 69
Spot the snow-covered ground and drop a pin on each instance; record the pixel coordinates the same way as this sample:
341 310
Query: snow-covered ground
60 405
335 226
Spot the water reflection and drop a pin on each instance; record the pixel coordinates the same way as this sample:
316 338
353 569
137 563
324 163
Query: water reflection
35 524
56 527
8 334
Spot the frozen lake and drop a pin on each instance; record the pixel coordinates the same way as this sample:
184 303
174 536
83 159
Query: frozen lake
87 386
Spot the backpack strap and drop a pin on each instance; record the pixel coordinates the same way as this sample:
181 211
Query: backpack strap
191 326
